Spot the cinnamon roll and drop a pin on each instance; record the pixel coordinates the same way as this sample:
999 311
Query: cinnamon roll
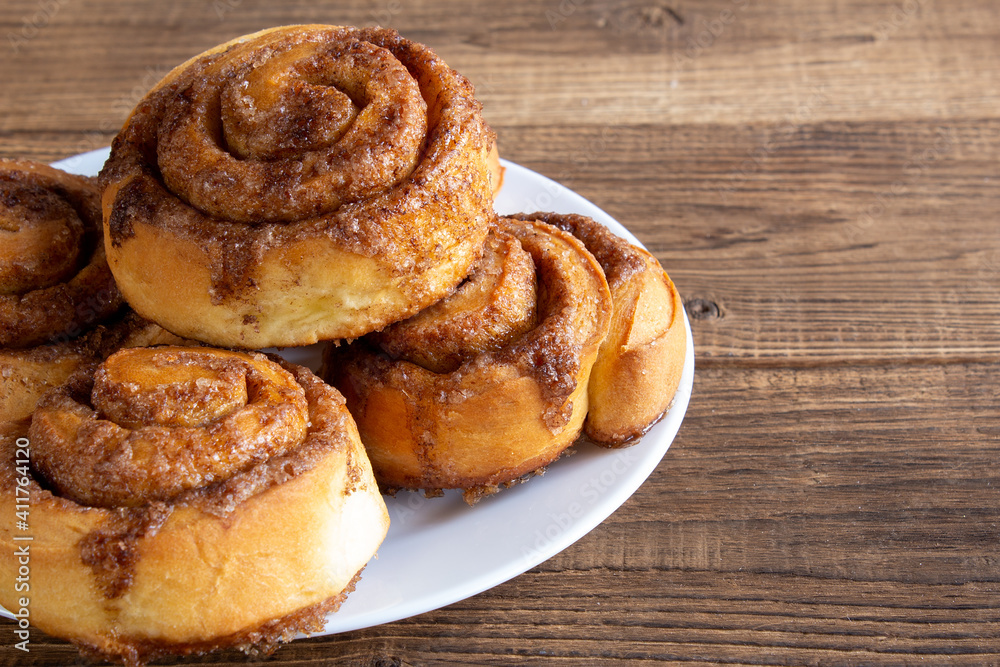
185 499
59 305
56 287
639 365
299 184
55 282
488 386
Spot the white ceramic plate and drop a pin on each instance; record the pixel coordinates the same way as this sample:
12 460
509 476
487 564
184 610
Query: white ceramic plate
440 550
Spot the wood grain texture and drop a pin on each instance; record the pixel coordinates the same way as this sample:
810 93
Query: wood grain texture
821 181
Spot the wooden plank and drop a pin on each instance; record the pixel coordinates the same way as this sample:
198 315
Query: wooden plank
849 529
750 73
667 615
808 243
795 236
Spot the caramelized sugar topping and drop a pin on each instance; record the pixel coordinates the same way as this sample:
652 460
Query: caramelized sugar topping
150 423
495 305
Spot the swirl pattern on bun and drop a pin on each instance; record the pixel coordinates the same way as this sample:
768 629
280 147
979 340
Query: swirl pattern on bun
489 385
639 366
185 499
299 184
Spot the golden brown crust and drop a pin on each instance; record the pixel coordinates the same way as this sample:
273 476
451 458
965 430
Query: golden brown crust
25 375
506 411
639 366
250 554
491 308
125 330
261 640
497 170
366 199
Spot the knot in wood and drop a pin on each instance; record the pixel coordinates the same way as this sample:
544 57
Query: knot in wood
703 309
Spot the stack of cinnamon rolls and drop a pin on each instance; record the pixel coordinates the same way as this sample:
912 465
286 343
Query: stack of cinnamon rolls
302 185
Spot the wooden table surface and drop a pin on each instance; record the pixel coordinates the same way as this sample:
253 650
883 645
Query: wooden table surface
820 179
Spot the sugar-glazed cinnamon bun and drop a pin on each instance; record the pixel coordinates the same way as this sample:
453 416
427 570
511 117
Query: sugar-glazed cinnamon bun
489 385
299 184
639 365
59 305
55 283
184 499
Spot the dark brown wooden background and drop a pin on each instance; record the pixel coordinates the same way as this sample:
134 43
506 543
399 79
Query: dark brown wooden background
821 180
